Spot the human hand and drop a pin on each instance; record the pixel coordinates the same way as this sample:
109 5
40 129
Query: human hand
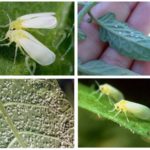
135 14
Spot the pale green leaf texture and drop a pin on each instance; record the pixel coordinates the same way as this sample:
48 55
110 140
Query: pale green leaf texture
126 40
58 39
98 67
103 108
34 113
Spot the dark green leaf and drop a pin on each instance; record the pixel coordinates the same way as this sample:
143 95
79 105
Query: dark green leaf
124 39
52 38
98 67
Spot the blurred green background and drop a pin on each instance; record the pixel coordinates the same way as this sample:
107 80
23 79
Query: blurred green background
100 132
58 40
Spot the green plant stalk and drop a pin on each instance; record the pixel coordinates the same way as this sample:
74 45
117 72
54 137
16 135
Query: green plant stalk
12 127
84 11
103 108
66 11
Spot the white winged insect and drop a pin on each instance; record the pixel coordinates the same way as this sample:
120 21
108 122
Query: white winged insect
137 110
110 91
46 20
26 42
31 46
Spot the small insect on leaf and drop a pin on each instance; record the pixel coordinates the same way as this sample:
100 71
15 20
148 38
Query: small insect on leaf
137 110
26 42
34 48
112 92
126 40
46 20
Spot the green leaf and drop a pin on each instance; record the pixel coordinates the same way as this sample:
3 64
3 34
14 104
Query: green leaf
98 67
56 39
34 113
81 35
87 7
102 107
126 40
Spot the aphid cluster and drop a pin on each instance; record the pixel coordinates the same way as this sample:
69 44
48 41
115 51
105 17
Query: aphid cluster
27 43
121 105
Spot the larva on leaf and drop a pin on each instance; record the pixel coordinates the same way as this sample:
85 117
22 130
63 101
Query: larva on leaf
137 110
112 92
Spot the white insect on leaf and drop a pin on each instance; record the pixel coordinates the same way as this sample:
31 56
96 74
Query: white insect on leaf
137 110
34 48
28 44
110 91
46 20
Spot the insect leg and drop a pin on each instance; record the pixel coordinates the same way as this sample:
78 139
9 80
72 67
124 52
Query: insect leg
126 116
100 95
31 70
97 83
112 110
95 92
7 25
4 26
16 49
110 101
117 113
3 39
7 44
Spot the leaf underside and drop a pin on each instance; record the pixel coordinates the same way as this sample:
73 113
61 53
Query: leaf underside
127 41
102 107
34 113
98 67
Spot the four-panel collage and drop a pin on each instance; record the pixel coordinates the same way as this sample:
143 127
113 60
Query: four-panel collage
74 74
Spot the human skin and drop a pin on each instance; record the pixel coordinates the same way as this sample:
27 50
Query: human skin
135 14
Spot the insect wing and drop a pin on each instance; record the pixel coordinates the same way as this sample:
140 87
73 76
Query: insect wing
35 15
138 110
36 50
40 20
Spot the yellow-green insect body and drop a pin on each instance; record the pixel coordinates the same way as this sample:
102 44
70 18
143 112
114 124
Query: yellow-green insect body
137 110
16 24
110 91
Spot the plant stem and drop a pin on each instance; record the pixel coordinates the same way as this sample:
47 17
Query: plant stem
84 11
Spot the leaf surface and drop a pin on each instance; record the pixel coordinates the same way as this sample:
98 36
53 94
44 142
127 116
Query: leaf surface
98 67
103 108
34 113
124 39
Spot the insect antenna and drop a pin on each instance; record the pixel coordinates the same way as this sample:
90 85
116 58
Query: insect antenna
6 25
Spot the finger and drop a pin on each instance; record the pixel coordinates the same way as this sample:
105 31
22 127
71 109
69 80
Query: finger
92 47
141 21
121 9
110 55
